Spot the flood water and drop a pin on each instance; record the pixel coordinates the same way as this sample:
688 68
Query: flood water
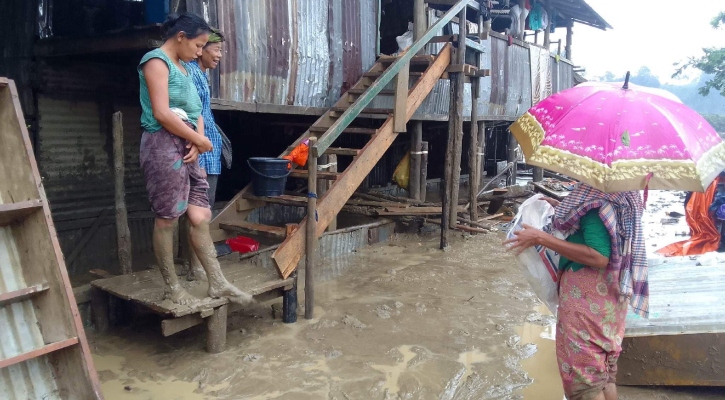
401 320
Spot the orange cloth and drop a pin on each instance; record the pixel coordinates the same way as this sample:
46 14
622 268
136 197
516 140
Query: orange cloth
705 235
298 155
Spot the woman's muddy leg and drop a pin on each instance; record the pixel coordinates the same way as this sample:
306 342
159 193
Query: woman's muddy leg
205 250
163 250
196 270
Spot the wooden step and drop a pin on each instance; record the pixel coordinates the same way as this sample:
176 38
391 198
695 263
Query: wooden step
350 130
22 294
378 73
12 212
425 59
470 43
244 226
285 200
302 173
375 111
341 151
48 348
473 5
386 92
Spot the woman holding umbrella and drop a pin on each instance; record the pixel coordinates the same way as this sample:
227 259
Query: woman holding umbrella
617 140
604 250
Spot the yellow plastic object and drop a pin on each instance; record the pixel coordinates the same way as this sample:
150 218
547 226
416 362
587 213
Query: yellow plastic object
401 176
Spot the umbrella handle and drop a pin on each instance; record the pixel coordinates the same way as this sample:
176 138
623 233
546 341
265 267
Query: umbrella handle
626 81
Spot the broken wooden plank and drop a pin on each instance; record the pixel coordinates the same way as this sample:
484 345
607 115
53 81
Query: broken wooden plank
244 226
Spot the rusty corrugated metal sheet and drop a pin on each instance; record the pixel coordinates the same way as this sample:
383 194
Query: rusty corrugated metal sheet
684 299
295 52
31 379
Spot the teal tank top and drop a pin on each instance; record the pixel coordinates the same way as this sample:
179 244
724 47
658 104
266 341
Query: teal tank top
182 93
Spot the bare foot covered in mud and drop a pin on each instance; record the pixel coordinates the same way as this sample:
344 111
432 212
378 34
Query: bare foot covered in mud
179 296
231 292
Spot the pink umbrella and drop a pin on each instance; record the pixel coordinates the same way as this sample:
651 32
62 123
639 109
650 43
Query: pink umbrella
621 138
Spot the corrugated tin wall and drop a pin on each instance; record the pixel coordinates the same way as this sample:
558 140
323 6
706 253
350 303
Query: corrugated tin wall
295 52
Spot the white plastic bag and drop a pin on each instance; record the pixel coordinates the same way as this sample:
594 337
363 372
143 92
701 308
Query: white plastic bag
405 40
539 264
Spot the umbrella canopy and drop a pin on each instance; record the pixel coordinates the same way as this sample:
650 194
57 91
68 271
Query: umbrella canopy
620 138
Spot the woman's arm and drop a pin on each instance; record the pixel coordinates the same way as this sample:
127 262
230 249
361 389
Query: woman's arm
156 73
583 254
194 152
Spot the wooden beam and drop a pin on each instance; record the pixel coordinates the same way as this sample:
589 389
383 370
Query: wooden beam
11 212
340 151
352 131
172 326
380 83
416 138
301 173
259 229
311 236
285 256
22 294
48 348
401 99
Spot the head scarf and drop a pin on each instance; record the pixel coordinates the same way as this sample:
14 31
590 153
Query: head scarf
622 216
215 36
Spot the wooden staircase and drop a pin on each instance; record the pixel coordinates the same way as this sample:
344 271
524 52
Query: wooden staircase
425 69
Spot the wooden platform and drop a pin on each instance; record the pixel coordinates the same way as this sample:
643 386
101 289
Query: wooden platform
146 288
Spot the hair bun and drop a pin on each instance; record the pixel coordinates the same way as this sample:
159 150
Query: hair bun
171 20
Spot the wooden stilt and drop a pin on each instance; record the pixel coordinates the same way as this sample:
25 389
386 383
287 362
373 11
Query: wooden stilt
416 136
216 330
512 145
311 234
100 309
423 171
289 302
123 234
481 156
457 119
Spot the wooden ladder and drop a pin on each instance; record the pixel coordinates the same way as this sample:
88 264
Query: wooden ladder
426 69
40 328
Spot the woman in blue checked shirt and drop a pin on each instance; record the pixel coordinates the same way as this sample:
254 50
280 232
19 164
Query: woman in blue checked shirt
210 161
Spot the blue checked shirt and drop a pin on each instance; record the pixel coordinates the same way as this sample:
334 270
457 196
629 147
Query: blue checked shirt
211 160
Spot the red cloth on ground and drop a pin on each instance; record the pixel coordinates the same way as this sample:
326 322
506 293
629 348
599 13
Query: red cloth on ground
705 235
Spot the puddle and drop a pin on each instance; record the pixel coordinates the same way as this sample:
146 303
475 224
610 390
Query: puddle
392 373
118 383
469 358
542 366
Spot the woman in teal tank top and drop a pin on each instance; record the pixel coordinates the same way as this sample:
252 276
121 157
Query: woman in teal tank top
173 139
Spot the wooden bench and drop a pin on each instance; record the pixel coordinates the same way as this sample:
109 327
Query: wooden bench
146 288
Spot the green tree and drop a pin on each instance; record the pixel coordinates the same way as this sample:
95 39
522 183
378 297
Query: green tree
712 63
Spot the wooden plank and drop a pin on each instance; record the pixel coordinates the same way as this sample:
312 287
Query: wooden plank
287 255
471 4
300 173
48 348
175 325
11 212
123 233
352 131
381 82
384 92
383 111
244 226
22 294
390 211
474 45
401 100
423 59
340 151
466 69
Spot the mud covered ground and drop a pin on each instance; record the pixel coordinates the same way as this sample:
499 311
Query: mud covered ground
401 320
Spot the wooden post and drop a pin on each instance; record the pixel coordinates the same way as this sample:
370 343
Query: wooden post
423 171
569 38
420 20
416 137
311 234
538 171
323 185
458 119
481 156
123 234
289 302
473 154
452 174
547 32
100 309
512 145
216 330
401 99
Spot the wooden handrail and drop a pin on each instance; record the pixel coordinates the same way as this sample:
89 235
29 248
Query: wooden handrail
326 140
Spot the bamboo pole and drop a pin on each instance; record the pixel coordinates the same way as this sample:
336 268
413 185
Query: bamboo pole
122 232
311 234
569 39
416 137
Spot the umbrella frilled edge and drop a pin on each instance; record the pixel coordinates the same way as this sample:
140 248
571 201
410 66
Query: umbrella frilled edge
623 175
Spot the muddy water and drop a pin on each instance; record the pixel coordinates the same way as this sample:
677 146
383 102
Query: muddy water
396 321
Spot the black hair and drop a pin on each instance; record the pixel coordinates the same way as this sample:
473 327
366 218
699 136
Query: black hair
191 24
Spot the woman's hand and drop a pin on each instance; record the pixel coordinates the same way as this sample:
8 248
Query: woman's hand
525 238
554 203
203 144
192 155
